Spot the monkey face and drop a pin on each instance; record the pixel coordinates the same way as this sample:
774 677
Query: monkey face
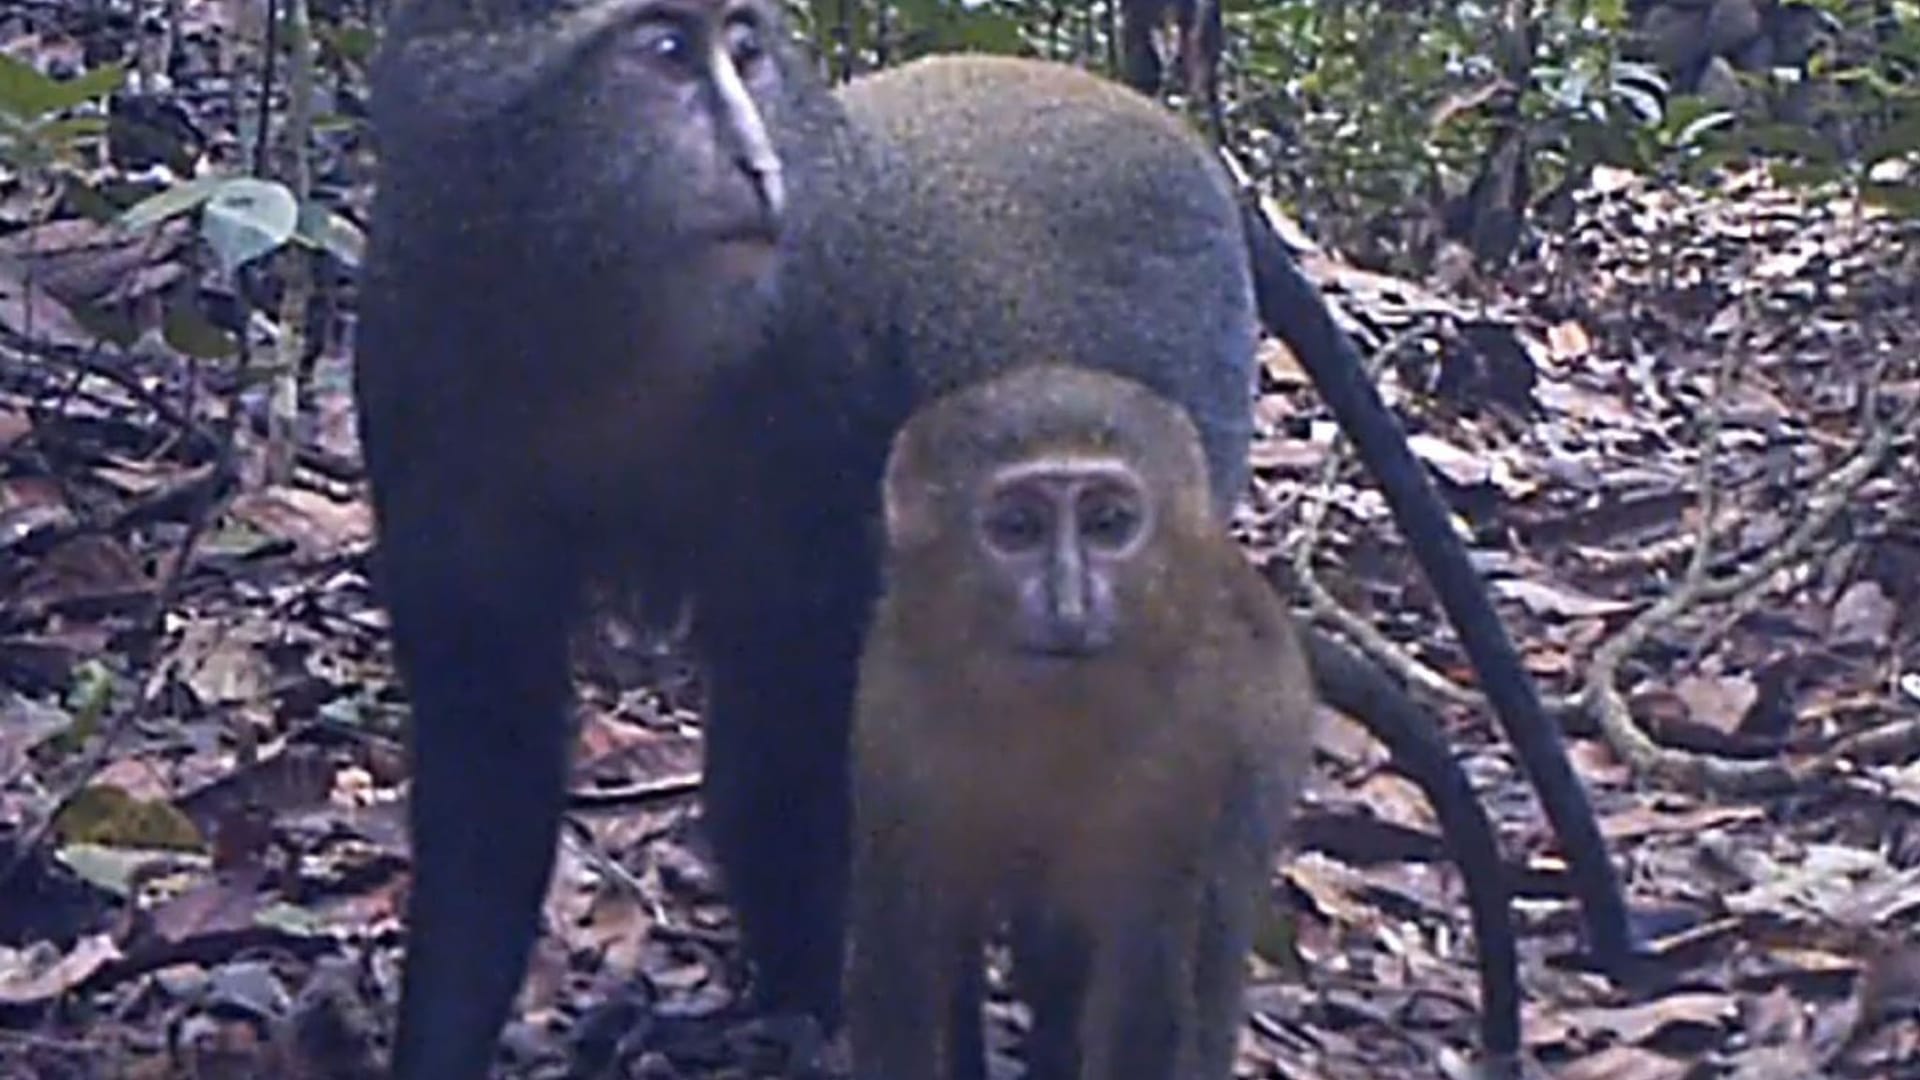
682 93
1047 510
617 132
1059 537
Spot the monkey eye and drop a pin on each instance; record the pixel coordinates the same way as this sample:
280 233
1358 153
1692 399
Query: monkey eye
1109 518
665 42
1016 524
743 41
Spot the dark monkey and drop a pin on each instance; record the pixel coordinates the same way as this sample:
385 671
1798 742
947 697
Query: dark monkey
1056 216
1081 711
642 304
574 249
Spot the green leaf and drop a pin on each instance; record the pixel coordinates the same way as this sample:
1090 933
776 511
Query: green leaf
1644 102
90 202
171 203
1697 130
90 694
116 869
109 815
355 43
191 333
1900 138
332 234
28 95
22 153
64 133
1788 139
247 218
51 141
1788 174
336 123
989 32
106 323
1902 199
290 919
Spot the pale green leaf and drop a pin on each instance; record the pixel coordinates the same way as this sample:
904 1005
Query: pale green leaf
247 218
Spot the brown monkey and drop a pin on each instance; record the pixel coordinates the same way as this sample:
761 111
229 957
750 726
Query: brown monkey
1081 711
1026 190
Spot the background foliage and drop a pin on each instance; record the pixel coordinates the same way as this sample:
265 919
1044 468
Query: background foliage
1371 115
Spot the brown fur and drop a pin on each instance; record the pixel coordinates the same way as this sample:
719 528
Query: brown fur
1128 798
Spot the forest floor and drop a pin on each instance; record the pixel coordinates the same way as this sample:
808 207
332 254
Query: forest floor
1682 422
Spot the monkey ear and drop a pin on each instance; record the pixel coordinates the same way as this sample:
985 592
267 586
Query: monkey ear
906 497
909 520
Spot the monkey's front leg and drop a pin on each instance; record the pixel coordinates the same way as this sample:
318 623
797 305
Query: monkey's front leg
914 979
1050 966
780 623
1138 1019
1231 887
480 631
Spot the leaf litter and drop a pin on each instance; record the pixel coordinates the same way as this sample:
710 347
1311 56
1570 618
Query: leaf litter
202 787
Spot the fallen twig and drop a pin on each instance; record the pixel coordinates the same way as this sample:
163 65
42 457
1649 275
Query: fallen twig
1706 772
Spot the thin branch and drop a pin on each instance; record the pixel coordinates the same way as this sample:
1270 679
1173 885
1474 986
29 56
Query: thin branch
1706 772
